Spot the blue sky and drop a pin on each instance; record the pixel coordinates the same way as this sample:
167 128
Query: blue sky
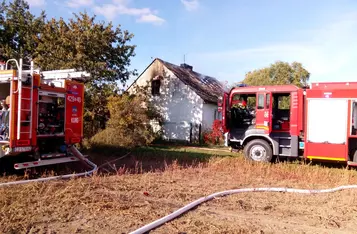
226 39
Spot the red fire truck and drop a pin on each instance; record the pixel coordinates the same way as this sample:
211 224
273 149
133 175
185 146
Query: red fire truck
42 114
318 122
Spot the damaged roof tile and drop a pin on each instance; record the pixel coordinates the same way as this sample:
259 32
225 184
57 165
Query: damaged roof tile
208 88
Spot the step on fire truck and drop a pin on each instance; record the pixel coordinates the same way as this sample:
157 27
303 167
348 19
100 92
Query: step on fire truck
318 122
42 114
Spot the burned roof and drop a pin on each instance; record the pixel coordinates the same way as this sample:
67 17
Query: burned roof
207 87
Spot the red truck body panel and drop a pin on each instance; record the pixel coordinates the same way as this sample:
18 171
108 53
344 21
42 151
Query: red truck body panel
334 94
74 112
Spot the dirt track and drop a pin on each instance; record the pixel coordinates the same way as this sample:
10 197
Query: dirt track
119 204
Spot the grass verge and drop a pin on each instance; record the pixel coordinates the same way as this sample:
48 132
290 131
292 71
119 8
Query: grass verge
156 181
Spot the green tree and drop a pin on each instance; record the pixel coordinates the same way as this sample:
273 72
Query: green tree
96 107
80 43
278 73
97 48
19 28
129 123
258 77
85 45
300 75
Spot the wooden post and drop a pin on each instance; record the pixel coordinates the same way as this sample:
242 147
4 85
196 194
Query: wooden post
199 134
191 133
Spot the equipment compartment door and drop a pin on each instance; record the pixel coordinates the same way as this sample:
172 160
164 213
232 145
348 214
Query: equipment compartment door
74 112
327 129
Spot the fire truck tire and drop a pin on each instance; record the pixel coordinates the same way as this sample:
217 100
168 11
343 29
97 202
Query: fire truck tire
258 150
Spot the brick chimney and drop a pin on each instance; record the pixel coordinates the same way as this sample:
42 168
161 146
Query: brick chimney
186 66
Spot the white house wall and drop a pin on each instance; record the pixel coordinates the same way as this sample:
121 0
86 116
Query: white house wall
181 107
208 117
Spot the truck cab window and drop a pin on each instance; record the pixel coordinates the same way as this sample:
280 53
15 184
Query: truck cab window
354 119
242 110
267 101
281 111
260 101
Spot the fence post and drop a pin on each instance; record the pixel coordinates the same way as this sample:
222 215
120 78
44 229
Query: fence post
199 134
191 133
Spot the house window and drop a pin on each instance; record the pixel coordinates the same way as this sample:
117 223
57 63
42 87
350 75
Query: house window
217 115
155 87
176 88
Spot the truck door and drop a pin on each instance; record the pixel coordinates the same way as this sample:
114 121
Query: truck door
74 112
223 108
263 111
268 110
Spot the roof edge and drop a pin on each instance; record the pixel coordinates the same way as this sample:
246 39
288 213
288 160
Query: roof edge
147 67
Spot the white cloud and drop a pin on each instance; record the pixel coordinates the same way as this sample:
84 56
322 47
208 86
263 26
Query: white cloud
107 10
36 3
124 10
150 18
122 2
190 5
121 7
328 53
79 3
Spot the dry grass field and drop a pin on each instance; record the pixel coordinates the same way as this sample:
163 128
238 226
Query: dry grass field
151 183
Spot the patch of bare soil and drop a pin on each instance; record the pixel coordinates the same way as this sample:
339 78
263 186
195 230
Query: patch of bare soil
125 202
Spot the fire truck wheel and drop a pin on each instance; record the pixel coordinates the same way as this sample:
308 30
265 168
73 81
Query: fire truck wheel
258 150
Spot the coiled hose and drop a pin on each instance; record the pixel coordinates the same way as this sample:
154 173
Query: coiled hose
201 200
77 154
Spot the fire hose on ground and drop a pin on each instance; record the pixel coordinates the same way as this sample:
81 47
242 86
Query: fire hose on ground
77 154
201 200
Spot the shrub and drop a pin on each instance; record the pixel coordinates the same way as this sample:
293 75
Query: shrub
215 135
129 123
96 113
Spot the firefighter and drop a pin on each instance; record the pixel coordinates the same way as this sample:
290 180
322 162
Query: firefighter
243 100
239 110
4 127
2 103
2 114
2 109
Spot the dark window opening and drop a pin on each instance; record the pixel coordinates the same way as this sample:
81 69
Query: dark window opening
217 115
155 87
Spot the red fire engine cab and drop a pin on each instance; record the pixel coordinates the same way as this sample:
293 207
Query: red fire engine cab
42 114
317 122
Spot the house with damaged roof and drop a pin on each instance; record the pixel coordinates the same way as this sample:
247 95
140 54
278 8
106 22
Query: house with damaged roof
186 99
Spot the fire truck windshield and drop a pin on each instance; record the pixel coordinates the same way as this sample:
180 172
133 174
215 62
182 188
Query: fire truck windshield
243 110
